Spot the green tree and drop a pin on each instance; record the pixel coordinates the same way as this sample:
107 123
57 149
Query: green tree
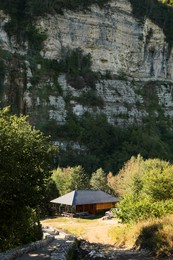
24 171
149 191
98 181
130 172
79 179
70 178
158 179
51 192
61 177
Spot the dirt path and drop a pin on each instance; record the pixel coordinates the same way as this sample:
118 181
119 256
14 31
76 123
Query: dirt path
95 242
91 230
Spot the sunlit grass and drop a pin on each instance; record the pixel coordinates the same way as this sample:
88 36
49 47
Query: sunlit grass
84 221
124 235
77 231
55 220
155 235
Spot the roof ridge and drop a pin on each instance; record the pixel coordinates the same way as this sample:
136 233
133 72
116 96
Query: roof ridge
74 191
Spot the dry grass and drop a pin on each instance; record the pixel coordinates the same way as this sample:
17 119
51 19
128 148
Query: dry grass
155 235
92 230
122 236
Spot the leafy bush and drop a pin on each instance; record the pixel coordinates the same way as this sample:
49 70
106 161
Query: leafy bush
90 98
25 229
149 191
35 39
77 66
156 236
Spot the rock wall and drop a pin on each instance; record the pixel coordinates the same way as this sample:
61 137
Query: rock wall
116 41
131 52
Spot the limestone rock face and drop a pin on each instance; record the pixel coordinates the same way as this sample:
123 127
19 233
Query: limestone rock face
134 54
116 41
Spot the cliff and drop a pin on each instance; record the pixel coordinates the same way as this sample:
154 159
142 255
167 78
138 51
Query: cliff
97 60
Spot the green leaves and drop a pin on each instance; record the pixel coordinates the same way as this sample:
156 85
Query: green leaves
150 193
98 181
24 170
70 178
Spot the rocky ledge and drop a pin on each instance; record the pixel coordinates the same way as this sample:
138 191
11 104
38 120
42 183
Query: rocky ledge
57 244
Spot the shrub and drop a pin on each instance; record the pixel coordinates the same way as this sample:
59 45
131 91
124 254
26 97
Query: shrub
153 235
149 191
90 98
157 237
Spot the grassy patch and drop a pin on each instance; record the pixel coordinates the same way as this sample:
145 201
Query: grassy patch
155 235
77 231
55 220
124 235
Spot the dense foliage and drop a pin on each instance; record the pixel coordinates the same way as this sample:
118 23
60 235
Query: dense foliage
24 171
157 11
98 181
70 178
149 189
31 8
109 146
167 2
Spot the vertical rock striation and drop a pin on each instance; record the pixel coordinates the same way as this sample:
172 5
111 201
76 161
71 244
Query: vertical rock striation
126 52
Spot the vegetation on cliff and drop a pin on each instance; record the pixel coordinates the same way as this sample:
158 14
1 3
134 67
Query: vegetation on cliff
160 12
31 9
109 146
25 180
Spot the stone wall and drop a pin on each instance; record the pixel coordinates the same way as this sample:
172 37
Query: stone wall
59 244
16 252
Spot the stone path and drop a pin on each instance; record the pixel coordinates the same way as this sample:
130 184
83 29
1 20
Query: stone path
57 249
45 252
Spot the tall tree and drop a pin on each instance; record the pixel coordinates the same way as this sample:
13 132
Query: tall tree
24 171
70 178
98 180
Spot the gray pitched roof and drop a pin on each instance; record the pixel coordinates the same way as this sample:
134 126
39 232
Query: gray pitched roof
81 197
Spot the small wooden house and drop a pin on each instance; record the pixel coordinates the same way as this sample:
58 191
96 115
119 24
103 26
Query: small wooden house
91 201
